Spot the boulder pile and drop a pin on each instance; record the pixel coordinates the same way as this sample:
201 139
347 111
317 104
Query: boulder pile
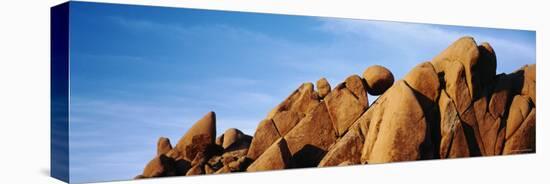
452 106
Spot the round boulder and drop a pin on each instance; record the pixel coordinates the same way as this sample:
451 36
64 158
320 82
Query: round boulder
378 79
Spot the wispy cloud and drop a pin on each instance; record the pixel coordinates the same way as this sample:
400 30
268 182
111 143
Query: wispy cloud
426 38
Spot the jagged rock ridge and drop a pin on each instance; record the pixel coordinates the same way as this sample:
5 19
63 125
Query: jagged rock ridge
453 106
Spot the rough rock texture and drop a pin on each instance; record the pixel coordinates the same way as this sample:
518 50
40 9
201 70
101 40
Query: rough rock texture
348 148
453 106
277 156
286 120
198 137
523 139
453 141
343 108
310 139
401 130
266 134
378 79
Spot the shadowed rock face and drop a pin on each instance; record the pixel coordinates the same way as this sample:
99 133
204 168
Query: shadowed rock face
378 79
453 106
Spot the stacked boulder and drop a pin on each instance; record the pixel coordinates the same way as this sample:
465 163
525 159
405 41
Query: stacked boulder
453 106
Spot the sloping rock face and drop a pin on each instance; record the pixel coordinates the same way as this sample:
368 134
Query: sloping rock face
452 106
401 130
277 156
200 136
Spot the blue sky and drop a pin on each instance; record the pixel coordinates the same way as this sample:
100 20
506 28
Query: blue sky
138 73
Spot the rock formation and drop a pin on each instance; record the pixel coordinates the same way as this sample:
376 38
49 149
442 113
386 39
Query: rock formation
452 106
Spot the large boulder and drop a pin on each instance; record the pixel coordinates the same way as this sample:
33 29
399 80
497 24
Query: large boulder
232 136
465 52
401 130
198 138
343 108
519 110
323 87
277 156
523 140
286 120
310 139
456 86
358 87
265 135
423 79
378 79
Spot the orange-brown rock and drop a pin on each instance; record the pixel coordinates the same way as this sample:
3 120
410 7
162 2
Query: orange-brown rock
465 52
195 170
489 134
198 137
219 140
358 88
519 110
286 120
456 86
199 159
369 123
159 166
423 79
453 141
400 132
362 123
163 146
231 136
378 79
453 106
343 108
500 96
265 135
523 140
529 82
310 139
348 148
277 156
323 87
301 100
